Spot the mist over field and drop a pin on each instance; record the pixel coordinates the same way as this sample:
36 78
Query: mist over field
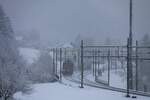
62 20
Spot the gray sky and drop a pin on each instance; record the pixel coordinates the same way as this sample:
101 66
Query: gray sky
63 20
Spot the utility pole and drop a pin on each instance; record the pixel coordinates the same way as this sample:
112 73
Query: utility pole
130 48
129 52
82 66
129 55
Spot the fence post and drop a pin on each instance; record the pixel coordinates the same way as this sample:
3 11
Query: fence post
53 61
145 88
93 62
56 61
122 58
78 59
108 67
65 54
128 95
98 62
136 65
60 64
82 66
118 53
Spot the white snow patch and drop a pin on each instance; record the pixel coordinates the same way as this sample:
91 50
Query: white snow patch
67 45
29 54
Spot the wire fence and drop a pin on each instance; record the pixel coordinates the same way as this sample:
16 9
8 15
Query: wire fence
131 63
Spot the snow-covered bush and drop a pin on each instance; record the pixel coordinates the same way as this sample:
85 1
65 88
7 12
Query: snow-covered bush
42 69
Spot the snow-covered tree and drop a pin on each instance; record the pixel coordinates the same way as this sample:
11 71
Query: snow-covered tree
28 38
42 69
12 77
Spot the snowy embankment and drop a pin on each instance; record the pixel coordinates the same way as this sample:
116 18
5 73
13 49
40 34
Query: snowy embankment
58 91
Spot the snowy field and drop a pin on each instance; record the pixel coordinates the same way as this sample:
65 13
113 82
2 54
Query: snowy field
59 91
68 90
115 79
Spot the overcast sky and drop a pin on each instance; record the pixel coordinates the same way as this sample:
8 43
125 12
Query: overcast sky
63 20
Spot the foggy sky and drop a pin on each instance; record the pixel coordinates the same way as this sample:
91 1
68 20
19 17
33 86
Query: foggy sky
63 20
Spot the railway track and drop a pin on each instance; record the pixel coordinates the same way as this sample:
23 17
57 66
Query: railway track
90 83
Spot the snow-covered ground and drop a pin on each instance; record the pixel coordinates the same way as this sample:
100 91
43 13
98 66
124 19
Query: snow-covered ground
59 91
115 79
68 90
